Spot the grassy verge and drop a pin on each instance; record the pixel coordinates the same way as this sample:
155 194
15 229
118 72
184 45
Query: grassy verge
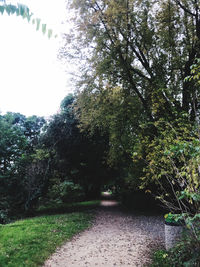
31 241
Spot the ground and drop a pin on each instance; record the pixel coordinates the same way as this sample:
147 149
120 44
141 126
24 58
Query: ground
115 239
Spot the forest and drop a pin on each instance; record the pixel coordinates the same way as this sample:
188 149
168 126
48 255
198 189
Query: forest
131 126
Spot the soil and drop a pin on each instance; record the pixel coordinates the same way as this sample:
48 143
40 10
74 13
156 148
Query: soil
115 239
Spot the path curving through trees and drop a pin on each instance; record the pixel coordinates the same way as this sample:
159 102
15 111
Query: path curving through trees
115 239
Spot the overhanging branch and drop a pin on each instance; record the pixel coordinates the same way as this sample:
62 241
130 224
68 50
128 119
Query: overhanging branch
184 8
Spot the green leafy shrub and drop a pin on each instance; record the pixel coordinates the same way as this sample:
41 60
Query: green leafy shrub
185 253
64 192
70 192
3 216
161 258
173 218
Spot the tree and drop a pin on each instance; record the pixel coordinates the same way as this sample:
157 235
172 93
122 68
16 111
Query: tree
18 154
13 144
136 57
78 157
144 47
147 54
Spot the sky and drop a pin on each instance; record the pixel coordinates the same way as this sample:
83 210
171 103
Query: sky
33 81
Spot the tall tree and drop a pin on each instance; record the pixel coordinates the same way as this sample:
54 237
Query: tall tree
145 47
78 157
20 188
136 58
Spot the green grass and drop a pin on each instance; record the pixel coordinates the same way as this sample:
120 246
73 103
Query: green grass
30 242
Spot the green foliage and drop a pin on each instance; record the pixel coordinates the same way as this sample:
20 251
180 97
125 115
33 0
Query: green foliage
24 12
185 253
145 47
65 192
137 55
161 258
172 163
30 242
19 10
20 185
111 112
195 72
174 218
78 157
3 214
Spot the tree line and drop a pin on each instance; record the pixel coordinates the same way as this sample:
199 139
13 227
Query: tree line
48 161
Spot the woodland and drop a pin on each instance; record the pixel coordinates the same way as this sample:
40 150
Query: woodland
131 126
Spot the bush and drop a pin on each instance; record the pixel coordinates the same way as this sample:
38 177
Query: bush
64 192
71 192
186 253
161 258
3 217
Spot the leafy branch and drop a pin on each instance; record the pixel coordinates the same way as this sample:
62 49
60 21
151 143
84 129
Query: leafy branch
24 12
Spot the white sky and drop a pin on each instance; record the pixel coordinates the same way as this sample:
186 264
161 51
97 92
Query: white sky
32 80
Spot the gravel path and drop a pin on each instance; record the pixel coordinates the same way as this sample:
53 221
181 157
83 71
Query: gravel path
115 239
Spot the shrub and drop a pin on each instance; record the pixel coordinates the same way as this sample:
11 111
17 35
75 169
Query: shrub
3 216
65 192
161 258
186 253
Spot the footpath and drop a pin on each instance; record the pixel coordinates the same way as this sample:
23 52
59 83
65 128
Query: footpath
115 239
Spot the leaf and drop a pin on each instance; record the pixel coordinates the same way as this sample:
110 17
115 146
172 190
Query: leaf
7 8
38 24
22 10
2 8
44 28
50 32
12 9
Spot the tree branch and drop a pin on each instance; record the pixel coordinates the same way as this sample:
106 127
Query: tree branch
184 8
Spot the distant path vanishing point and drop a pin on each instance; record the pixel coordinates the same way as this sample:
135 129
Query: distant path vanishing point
115 239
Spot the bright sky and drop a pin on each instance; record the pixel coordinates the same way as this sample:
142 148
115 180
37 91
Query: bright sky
32 80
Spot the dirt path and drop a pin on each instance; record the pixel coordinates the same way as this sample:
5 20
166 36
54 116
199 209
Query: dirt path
115 239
